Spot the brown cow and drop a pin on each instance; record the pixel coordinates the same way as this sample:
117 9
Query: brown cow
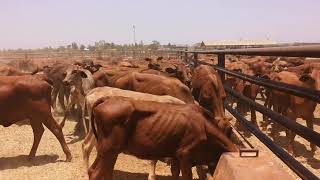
292 106
79 81
12 71
154 84
56 74
208 90
151 130
29 97
175 69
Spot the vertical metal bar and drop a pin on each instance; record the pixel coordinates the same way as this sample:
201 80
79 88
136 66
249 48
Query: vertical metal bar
195 59
221 63
185 56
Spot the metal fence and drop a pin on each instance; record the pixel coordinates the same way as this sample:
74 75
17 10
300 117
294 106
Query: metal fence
314 95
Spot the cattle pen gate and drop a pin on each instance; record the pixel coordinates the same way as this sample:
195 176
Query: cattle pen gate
314 95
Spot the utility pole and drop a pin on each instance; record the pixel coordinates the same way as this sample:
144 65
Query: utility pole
134 41
134 34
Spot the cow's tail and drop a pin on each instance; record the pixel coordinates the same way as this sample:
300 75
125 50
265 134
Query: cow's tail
93 125
86 112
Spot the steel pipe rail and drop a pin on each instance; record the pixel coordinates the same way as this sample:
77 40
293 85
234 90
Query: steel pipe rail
288 51
292 163
302 131
288 88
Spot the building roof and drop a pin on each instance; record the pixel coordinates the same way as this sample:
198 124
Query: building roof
238 42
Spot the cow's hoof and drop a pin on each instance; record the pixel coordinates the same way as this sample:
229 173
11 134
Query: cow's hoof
69 158
151 177
31 157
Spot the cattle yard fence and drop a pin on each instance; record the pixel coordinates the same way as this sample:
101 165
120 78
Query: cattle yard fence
314 95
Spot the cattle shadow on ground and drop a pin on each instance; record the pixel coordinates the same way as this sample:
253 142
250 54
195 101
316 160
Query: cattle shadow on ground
242 129
121 175
299 150
72 139
22 160
316 121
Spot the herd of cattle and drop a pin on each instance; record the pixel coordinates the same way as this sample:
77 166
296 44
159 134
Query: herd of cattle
157 109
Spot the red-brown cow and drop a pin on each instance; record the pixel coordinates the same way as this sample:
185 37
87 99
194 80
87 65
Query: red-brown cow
154 84
29 97
151 130
208 90
292 106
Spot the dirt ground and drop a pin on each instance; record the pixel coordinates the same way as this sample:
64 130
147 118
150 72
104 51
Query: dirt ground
16 142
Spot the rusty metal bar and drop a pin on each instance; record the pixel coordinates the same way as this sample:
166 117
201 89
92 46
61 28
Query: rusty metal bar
288 51
185 56
221 64
292 163
302 131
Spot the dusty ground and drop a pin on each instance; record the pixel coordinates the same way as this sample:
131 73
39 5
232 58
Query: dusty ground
16 143
302 147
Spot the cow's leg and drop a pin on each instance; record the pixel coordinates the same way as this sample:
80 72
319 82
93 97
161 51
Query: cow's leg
310 125
289 134
66 114
67 94
152 172
108 150
54 127
61 98
95 172
38 130
253 116
103 167
200 172
87 146
175 169
83 117
55 92
186 167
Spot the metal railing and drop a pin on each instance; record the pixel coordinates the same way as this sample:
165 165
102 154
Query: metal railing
314 95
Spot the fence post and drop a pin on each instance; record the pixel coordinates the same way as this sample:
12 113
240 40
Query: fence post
221 63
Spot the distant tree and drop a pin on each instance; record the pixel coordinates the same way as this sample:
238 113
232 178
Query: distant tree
74 45
69 46
82 47
61 48
155 45
91 48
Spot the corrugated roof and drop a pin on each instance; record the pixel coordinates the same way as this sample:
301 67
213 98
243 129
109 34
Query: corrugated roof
239 42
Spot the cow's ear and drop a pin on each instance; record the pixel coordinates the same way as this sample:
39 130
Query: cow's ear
78 63
97 66
83 74
171 70
265 77
238 70
307 70
159 58
306 78
148 59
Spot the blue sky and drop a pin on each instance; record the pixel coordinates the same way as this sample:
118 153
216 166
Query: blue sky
39 23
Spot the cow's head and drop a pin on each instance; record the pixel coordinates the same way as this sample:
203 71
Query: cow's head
181 72
152 64
88 65
279 65
74 77
212 95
